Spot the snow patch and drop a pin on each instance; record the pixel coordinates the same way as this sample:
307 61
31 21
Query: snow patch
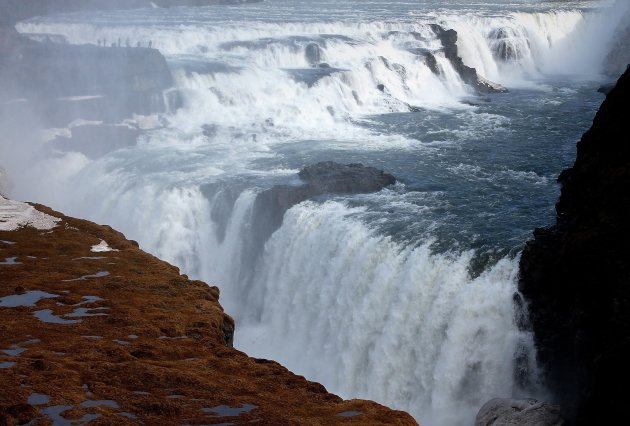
102 247
15 214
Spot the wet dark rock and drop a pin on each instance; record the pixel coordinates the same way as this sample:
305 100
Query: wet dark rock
222 196
575 275
313 54
227 327
518 412
431 62
331 177
469 75
322 178
502 45
326 177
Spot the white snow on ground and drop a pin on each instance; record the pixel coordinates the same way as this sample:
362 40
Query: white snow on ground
15 214
101 247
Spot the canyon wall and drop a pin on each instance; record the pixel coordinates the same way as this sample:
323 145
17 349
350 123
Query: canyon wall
575 275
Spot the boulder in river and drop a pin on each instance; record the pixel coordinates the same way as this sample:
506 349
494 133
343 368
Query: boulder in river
518 412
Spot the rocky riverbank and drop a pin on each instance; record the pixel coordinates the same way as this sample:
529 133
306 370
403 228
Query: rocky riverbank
94 329
575 275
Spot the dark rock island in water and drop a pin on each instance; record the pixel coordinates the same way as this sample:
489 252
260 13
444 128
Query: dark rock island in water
326 177
575 275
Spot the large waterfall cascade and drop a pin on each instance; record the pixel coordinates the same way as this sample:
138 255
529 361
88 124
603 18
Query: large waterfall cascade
406 296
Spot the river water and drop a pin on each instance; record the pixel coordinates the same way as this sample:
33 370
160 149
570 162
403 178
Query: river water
405 296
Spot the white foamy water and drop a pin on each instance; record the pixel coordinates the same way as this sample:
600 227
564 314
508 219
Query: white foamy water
405 296
376 319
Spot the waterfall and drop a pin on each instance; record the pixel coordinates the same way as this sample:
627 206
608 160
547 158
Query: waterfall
333 294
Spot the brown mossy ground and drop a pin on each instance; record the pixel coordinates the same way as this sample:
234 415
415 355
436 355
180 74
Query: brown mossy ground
160 353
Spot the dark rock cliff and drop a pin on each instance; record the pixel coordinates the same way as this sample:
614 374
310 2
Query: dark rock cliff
576 274
469 75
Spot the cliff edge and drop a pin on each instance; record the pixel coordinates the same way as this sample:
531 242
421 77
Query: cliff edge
93 329
575 275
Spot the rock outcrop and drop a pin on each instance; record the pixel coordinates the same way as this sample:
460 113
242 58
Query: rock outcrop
575 275
325 177
313 54
62 82
518 412
469 75
92 329
270 205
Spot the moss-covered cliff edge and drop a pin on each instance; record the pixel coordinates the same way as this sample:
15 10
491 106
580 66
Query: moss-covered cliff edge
93 328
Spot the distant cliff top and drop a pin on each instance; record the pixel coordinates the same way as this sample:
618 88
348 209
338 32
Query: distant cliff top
93 328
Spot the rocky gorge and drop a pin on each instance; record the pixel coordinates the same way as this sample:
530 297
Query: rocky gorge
105 333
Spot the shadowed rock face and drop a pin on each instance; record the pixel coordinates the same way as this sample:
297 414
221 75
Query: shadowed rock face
575 275
502 49
518 412
121 337
64 82
469 75
270 206
326 177
331 177
313 54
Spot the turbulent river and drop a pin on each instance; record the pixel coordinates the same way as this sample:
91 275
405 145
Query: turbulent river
405 296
